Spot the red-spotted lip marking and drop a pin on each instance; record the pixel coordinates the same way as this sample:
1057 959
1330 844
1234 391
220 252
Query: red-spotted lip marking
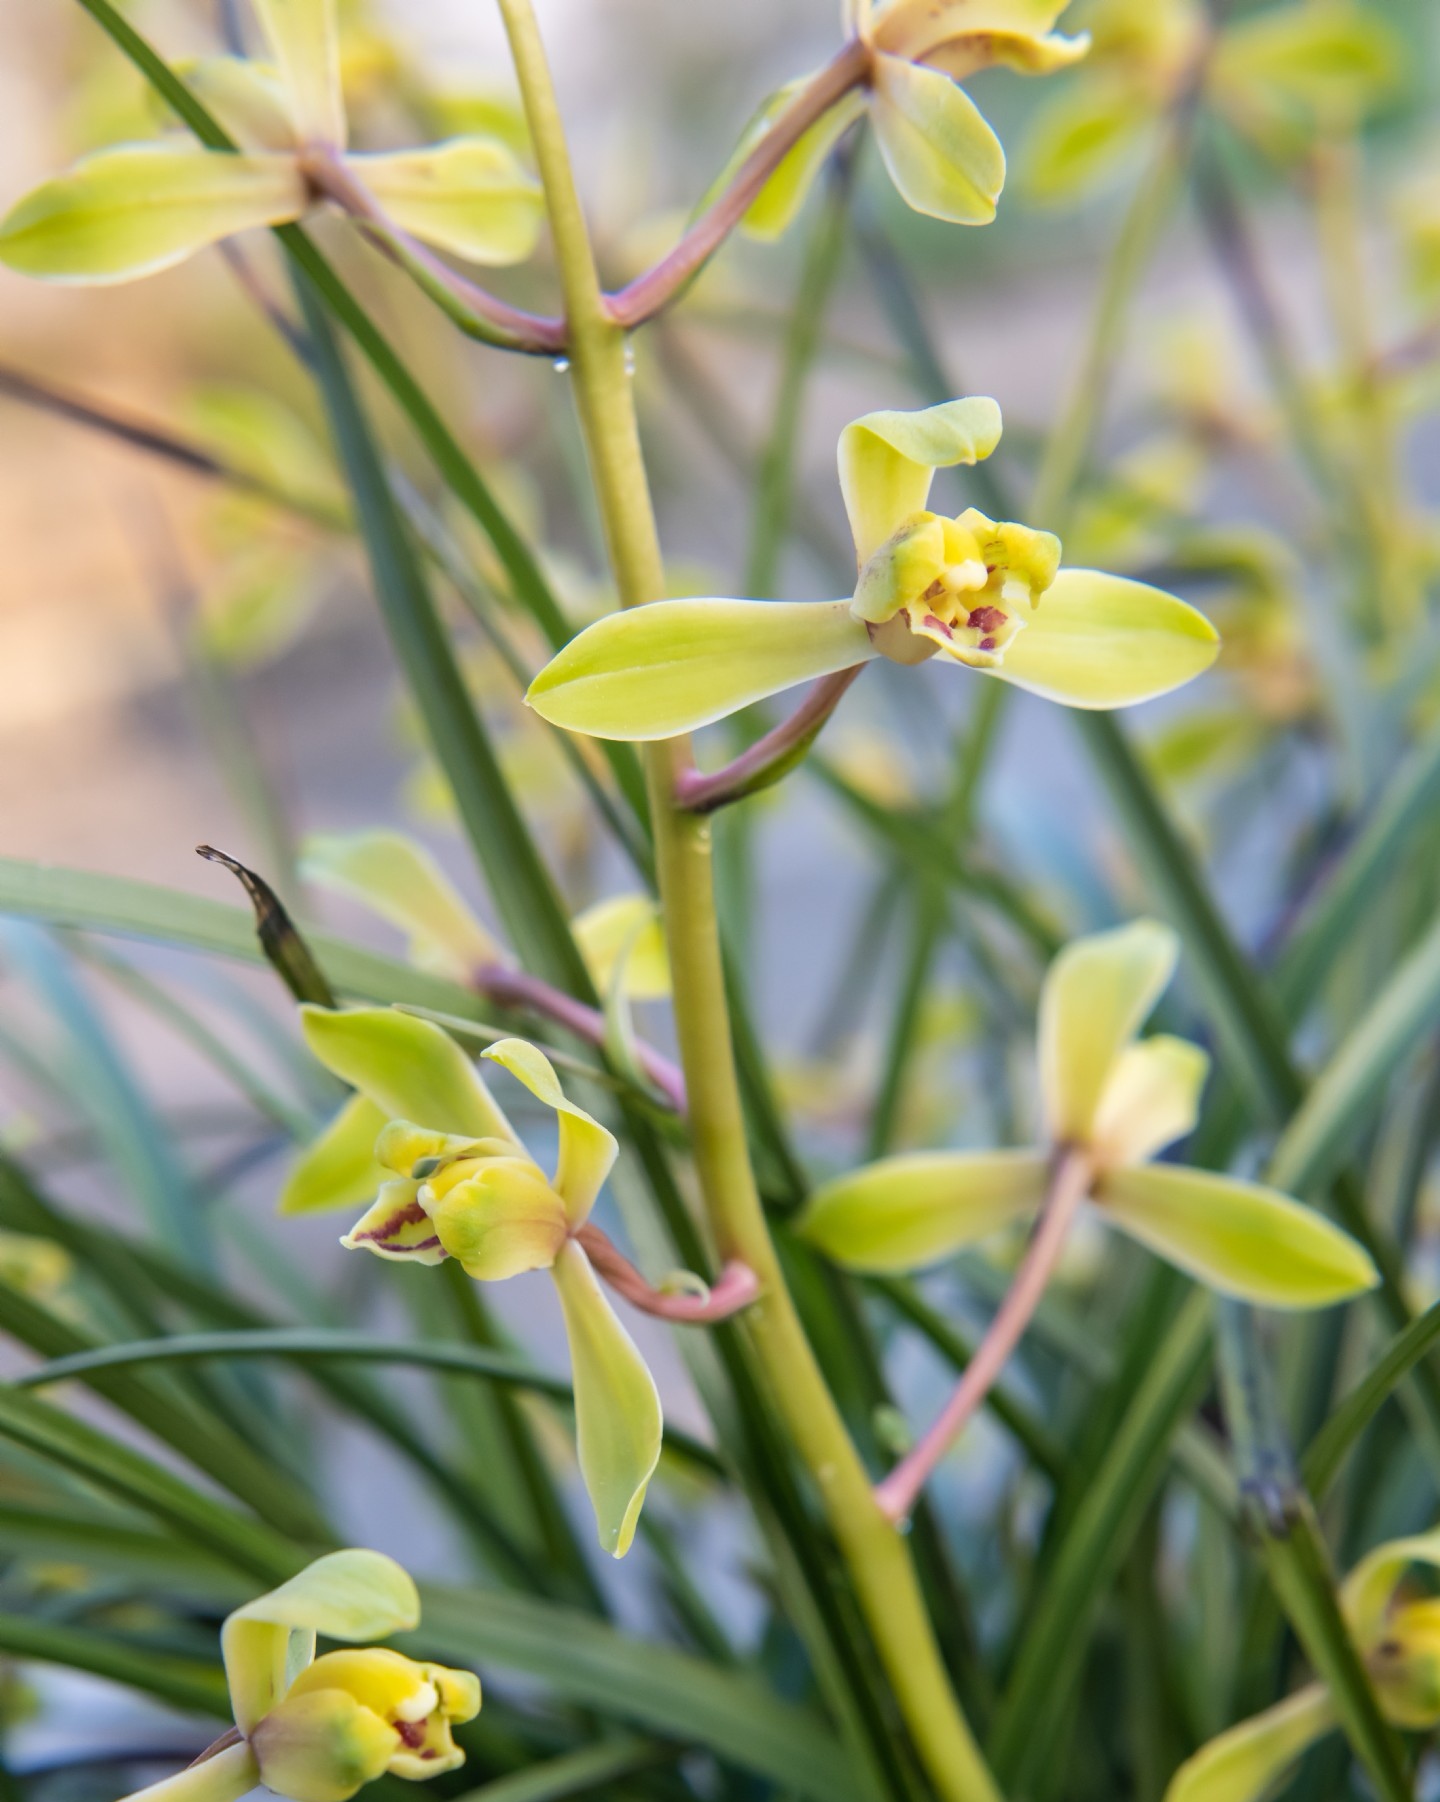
938 624
410 1215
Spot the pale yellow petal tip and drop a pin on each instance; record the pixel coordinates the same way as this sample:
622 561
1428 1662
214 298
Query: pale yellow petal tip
618 1541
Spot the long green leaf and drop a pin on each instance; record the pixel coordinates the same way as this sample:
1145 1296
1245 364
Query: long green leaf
1321 1130
522 888
60 1533
573 1773
653 1687
124 1473
1328 1449
1408 804
206 1443
138 1148
134 1275
1052 1650
128 909
305 1344
183 1682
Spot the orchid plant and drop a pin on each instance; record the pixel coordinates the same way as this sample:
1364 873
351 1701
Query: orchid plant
611 977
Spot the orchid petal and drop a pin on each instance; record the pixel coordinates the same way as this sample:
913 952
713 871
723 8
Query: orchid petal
409 1068
673 666
1152 1099
628 927
914 28
130 212
778 203
352 1595
1095 998
339 1169
587 1150
1246 1762
619 1426
395 1225
248 98
500 1222
322 1746
942 156
888 461
1240 1238
1370 1588
469 196
1082 137
402 882
304 41
1098 641
904 1213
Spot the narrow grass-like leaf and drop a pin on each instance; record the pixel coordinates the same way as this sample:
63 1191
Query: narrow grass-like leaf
61 1533
128 909
1407 805
206 1443
183 1682
305 1344
653 1687
1328 1449
138 1147
523 890
573 1773
1320 1132
1052 1650
126 1474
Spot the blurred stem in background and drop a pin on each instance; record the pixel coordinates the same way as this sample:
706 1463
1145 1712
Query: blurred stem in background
876 1555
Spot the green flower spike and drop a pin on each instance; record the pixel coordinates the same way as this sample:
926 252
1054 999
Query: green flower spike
319 1729
940 153
458 1183
140 208
1111 1102
1397 1634
975 591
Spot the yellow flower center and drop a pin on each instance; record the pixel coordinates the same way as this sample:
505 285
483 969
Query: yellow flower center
960 586
420 1703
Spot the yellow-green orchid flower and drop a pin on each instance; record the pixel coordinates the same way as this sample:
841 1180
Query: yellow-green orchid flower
940 153
1117 1101
139 208
619 938
972 590
1281 76
400 880
1397 1635
460 1184
319 1729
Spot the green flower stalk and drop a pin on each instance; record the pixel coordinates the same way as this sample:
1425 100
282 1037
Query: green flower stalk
1397 1633
985 594
1111 1103
319 1729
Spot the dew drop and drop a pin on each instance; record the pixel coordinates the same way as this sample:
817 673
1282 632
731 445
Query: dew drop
561 365
629 356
